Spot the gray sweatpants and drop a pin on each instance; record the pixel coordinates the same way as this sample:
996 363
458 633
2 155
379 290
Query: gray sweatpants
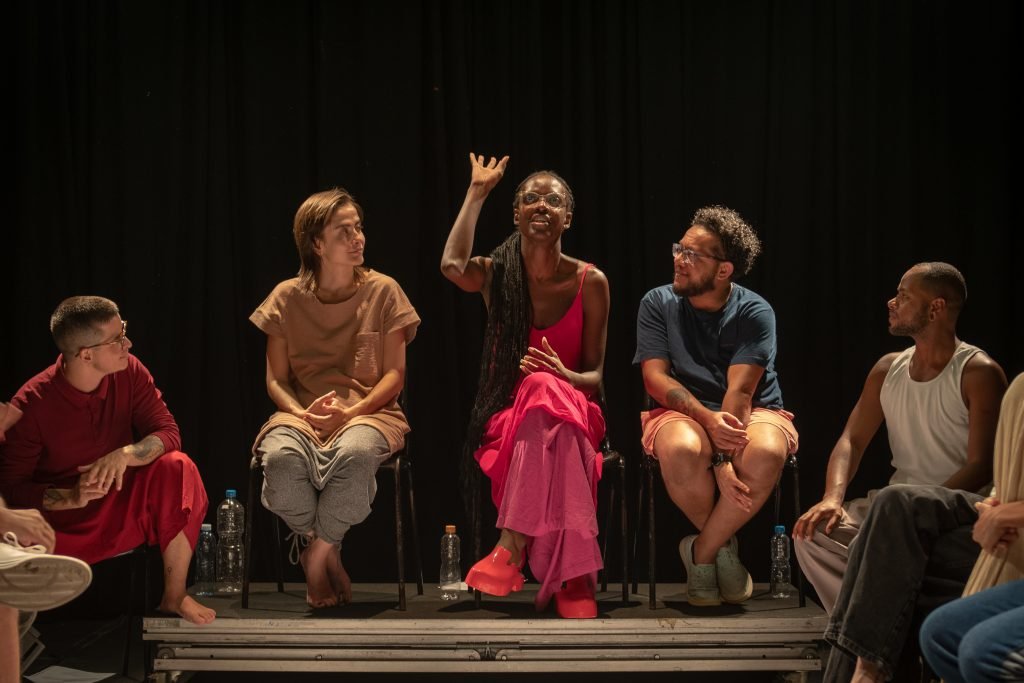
321 490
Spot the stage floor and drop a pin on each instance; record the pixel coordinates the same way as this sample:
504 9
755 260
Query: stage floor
280 633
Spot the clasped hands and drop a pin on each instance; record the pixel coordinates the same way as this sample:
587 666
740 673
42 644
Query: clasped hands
728 435
95 480
326 414
990 532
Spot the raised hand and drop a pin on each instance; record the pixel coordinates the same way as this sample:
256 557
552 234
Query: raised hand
828 509
486 174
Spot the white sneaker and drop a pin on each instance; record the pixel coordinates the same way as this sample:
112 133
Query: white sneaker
33 580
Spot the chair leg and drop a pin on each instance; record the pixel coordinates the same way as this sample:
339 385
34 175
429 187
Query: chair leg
278 553
623 531
475 513
399 537
407 465
250 507
604 541
132 568
651 559
795 470
639 518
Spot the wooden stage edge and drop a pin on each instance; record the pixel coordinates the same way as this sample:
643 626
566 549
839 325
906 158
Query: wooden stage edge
280 633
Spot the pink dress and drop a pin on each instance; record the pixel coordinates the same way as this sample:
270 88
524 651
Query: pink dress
541 454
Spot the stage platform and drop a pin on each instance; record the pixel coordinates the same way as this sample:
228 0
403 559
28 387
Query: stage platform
280 633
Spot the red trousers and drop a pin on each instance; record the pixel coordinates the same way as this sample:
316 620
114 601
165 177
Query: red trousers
156 503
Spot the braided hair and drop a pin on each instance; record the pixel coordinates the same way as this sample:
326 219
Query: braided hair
506 338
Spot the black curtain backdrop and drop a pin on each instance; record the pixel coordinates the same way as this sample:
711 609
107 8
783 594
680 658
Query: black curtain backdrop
157 152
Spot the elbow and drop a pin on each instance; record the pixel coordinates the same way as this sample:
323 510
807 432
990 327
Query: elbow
452 269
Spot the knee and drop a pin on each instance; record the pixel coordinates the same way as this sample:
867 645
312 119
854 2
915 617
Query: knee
681 453
539 382
762 465
283 463
895 497
175 466
978 658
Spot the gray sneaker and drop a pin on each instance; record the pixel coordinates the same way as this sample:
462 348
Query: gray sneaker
701 580
734 580
33 580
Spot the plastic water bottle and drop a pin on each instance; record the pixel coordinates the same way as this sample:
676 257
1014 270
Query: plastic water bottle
230 528
206 561
780 574
451 570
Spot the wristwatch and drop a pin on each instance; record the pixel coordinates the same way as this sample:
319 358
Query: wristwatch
719 458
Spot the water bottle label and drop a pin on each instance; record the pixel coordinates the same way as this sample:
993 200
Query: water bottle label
454 586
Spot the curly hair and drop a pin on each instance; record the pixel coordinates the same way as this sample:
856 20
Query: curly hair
739 241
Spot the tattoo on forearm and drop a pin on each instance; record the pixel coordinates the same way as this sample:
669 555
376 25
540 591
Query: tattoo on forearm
53 498
681 401
150 447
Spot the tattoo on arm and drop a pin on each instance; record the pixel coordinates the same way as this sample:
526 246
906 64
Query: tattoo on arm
149 448
681 401
53 498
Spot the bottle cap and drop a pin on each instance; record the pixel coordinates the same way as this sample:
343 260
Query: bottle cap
780 529
231 493
206 527
449 528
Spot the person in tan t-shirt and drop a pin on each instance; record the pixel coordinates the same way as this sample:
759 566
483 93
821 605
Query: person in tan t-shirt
336 338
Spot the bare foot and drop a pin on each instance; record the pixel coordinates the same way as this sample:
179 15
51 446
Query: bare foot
867 672
314 559
188 609
340 582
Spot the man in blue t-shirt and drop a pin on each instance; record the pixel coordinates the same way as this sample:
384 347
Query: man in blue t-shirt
706 347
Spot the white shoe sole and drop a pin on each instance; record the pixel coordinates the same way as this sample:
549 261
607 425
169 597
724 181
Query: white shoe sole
41 582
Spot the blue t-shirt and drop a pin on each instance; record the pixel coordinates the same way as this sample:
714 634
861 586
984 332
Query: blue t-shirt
700 346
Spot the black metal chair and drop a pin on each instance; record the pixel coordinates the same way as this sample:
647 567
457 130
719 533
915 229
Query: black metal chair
612 463
399 465
649 467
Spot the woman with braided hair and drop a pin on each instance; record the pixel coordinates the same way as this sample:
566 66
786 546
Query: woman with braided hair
535 429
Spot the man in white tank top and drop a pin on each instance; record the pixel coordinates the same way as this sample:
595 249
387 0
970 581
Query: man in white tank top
940 402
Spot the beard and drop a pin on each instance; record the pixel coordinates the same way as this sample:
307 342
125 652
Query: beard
909 329
695 287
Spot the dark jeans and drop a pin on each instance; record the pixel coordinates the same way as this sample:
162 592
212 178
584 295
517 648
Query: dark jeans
913 554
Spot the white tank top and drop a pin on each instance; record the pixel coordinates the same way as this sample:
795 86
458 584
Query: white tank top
927 421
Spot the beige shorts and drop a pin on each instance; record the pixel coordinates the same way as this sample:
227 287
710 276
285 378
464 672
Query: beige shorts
652 421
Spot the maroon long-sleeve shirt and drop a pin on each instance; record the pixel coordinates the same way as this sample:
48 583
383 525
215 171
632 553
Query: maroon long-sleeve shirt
63 428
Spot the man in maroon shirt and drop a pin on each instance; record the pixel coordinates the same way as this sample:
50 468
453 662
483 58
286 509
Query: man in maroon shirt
97 451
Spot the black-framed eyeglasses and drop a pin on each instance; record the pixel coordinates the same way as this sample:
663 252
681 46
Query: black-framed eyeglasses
121 339
552 199
689 255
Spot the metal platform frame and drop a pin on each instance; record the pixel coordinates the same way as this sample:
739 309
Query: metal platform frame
771 636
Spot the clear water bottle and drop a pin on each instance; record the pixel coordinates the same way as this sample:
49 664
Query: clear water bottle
451 570
206 561
230 528
780 573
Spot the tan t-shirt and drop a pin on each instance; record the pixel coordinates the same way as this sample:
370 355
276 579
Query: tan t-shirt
338 347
